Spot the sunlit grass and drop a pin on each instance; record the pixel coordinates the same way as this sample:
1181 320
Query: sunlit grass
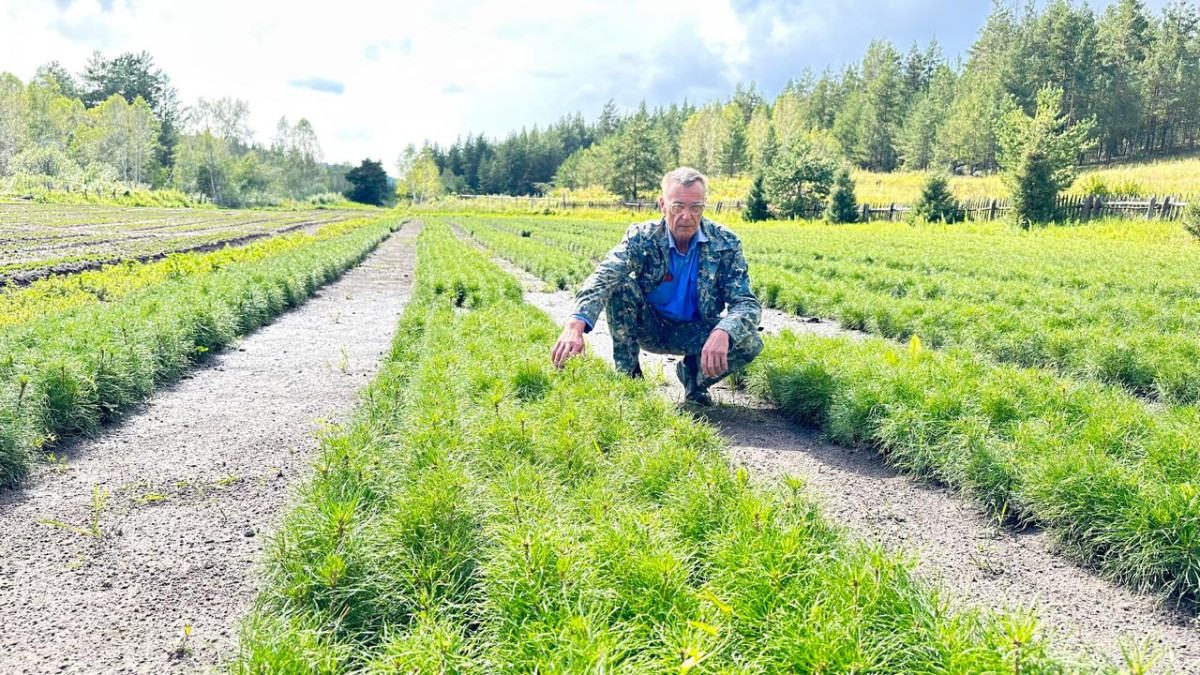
70 368
1177 177
1109 476
486 513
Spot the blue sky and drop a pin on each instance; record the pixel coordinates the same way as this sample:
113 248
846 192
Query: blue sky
373 76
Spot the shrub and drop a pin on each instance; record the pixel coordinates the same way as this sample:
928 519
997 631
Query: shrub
1095 186
1191 216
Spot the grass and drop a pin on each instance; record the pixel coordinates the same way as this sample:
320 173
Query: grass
1110 477
1113 482
35 237
1176 177
99 502
1179 176
1112 301
57 294
113 196
483 513
70 371
1069 299
903 187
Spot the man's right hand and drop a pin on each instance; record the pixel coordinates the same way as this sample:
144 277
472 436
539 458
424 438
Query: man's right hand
570 343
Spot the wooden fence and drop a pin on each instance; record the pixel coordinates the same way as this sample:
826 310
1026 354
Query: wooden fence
536 203
1074 207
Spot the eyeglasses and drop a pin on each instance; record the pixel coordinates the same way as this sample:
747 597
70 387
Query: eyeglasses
677 208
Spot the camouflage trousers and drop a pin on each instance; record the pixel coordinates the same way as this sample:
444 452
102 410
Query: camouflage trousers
635 325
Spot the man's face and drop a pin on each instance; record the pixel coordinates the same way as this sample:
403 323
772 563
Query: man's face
688 200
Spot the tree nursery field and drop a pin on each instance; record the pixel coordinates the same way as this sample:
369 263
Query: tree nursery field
77 349
35 238
485 513
1050 375
480 511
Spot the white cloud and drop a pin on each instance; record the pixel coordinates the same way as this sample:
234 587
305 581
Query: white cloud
435 69
409 71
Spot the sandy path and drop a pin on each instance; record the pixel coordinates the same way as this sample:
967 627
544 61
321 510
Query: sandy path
195 477
956 543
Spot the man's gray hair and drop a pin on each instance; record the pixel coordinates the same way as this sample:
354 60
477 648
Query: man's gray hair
685 176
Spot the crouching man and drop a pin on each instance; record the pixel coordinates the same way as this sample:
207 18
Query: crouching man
665 287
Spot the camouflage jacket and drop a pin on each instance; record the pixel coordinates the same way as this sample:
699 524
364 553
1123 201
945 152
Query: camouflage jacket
722 277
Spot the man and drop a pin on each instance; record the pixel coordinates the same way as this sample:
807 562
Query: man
665 286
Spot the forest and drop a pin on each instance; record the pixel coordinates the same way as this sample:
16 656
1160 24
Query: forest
120 126
1132 74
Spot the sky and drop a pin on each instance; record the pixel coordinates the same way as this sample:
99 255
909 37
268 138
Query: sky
374 76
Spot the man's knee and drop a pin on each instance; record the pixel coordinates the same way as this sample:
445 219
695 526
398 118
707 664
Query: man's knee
748 348
625 304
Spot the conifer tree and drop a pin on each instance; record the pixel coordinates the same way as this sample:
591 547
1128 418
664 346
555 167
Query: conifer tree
936 203
843 206
636 160
755 209
1038 156
769 150
734 144
799 179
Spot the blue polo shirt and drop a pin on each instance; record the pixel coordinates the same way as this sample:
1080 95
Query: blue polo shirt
676 298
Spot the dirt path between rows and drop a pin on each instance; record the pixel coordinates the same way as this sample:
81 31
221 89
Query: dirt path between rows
957 545
195 478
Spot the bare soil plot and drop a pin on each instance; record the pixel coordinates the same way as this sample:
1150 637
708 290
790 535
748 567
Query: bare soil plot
955 543
37 240
195 479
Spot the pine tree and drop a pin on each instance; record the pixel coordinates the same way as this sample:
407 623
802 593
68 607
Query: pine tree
369 183
1034 189
755 209
734 144
636 162
843 206
610 119
936 203
769 150
799 180
881 85
1038 156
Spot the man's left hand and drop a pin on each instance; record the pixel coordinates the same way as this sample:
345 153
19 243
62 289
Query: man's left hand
714 358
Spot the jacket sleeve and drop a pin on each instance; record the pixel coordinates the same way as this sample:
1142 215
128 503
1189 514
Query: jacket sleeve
744 311
623 260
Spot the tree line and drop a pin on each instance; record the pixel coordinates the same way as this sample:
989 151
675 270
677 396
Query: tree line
1131 76
119 124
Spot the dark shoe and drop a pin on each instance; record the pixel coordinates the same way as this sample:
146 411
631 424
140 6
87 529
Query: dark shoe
637 372
688 372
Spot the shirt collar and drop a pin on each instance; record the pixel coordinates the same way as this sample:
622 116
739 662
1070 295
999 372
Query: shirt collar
699 237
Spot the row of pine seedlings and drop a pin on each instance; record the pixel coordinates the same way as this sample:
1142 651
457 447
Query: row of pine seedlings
484 513
77 350
1114 480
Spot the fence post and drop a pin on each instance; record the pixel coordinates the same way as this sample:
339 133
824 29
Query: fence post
866 213
1165 211
992 210
891 212
1150 209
